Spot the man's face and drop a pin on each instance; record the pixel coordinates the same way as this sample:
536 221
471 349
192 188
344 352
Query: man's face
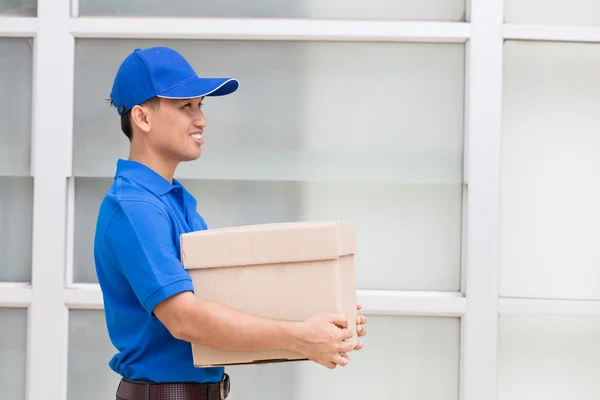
176 128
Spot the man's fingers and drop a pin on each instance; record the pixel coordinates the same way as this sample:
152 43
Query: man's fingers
341 360
339 320
330 365
361 330
359 346
346 334
359 307
361 320
346 347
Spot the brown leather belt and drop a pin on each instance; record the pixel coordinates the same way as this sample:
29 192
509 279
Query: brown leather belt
136 390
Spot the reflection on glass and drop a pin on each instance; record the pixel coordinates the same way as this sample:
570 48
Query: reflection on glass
90 350
452 10
550 169
25 8
394 113
16 64
552 12
13 352
548 357
16 224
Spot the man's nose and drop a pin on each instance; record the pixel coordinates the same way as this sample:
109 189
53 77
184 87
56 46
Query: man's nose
199 119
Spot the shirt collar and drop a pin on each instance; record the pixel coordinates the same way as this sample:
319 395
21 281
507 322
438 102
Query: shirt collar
144 175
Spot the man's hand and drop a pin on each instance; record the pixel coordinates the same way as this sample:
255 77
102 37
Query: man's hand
361 320
323 339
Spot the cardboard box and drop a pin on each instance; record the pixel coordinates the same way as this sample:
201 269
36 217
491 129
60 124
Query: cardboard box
286 271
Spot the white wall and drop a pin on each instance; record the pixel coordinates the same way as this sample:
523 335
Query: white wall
465 150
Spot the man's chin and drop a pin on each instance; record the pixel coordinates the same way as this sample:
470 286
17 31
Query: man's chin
191 157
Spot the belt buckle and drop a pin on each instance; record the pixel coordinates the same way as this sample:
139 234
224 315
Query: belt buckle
222 390
223 387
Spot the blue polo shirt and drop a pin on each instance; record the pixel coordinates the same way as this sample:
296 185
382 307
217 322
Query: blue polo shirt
136 251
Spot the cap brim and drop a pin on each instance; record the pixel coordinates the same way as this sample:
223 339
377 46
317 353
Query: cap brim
200 87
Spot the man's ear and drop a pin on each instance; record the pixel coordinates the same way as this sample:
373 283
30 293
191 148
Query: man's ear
140 118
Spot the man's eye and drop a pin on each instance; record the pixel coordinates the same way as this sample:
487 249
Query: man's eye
188 105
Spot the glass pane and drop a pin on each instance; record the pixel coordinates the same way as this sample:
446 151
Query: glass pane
13 352
26 8
550 186
548 357
90 350
88 196
397 225
16 64
396 117
553 12
408 236
407 352
335 9
16 224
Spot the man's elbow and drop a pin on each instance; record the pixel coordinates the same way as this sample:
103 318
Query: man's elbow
178 330
177 315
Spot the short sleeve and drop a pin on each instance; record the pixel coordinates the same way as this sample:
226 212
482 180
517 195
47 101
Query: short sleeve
140 239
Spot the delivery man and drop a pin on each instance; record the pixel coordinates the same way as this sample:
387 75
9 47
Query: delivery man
151 312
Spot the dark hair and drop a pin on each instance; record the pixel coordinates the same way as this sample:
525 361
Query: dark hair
126 118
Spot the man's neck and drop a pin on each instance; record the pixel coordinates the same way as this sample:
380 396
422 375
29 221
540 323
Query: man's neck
165 168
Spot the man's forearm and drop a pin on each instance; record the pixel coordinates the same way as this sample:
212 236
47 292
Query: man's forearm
221 327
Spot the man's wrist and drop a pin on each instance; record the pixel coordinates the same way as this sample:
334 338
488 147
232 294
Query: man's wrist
291 336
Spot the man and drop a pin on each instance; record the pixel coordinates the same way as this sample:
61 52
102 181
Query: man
151 312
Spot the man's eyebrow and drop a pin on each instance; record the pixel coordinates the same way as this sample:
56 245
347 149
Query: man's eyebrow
201 99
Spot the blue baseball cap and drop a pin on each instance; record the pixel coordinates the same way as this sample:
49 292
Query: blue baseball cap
162 72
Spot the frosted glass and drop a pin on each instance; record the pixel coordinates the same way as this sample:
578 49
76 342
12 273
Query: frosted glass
16 224
16 64
396 116
90 350
408 235
553 12
550 169
548 357
13 352
27 8
88 196
335 9
401 355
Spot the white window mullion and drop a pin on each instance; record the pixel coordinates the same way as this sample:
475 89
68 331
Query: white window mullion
269 29
552 33
15 295
388 302
374 302
84 296
70 244
74 8
51 165
483 124
517 306
17 26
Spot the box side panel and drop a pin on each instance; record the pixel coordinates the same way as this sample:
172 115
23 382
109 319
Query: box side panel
207 357
293 292
348 293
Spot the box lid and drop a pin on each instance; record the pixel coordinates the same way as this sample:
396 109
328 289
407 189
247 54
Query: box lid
267 244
